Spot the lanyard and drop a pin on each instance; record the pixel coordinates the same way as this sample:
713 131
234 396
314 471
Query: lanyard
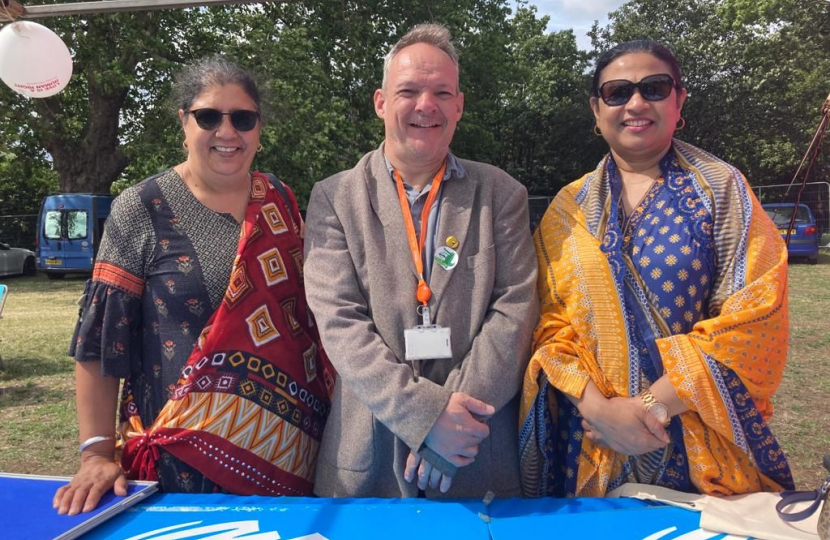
416 245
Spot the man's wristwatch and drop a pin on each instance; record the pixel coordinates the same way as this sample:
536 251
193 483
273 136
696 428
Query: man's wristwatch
655 407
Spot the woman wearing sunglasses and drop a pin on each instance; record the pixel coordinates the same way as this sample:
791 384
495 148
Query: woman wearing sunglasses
663 332
196 301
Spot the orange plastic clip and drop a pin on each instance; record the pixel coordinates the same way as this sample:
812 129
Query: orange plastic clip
423 293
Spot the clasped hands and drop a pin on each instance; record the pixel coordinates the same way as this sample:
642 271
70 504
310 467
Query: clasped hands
622 424
455 436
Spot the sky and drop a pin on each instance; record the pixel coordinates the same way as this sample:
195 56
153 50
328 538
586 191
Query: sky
576 14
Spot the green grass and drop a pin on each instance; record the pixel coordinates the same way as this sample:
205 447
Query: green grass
38 432
38 429
802 404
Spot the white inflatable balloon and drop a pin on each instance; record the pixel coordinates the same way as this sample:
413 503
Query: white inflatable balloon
33 60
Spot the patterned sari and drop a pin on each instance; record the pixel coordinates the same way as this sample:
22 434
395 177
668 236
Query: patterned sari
693 284
249 409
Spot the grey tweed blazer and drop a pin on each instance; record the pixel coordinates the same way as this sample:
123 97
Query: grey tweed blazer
360 283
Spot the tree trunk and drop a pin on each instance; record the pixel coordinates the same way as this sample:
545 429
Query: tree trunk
92 163
89 159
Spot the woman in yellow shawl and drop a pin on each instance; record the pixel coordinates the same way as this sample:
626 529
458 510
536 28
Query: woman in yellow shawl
663 332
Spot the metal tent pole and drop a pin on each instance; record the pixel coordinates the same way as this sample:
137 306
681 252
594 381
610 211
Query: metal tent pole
17 11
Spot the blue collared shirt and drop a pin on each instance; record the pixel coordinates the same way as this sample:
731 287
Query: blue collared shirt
417 199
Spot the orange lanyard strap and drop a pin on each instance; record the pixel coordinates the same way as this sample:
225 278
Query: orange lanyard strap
416 245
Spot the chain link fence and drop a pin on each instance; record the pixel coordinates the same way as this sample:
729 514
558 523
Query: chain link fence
537 206
19 230
816 196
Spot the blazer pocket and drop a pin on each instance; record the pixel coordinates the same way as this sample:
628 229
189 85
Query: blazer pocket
484 256
348 439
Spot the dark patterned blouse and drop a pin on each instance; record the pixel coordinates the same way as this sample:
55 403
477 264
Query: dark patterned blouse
162 269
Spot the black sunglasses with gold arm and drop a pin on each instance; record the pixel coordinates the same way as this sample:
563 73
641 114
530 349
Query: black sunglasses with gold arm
241 120
652 88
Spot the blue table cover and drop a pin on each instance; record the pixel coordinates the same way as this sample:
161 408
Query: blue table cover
26 511
26 514
179 516
618 519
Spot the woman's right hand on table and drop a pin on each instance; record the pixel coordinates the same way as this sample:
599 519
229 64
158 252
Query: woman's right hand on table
96 398
98 474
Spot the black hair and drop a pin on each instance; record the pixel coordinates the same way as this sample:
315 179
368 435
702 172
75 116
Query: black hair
653 48
198 76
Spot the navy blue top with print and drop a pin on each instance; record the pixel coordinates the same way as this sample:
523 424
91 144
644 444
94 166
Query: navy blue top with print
163 266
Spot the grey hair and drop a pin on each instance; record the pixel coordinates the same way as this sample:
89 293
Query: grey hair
198 76
433 34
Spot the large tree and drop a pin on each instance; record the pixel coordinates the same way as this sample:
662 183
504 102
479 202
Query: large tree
324 62
756 72
122 63
545 123
319 63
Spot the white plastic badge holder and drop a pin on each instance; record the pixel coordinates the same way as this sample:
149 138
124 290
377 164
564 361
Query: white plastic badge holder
427 342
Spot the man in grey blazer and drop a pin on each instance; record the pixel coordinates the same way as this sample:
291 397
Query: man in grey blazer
446 426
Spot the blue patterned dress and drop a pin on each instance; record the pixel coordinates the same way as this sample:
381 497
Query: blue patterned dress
664 265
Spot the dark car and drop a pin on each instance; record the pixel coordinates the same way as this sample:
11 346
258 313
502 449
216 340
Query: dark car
15 261
804 234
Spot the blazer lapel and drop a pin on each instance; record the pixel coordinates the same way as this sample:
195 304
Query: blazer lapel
456 211
384 200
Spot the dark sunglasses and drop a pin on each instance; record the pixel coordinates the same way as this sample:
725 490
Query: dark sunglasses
241 120
652 88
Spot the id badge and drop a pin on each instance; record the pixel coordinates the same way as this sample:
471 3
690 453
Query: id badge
427 342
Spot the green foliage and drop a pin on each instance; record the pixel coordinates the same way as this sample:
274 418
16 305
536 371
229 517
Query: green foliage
546 120
25 178
26 182
757 73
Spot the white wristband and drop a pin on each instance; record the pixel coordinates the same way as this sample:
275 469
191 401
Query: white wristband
92 440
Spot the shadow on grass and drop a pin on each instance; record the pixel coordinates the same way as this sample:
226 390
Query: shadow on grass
29 394
23 368
40 283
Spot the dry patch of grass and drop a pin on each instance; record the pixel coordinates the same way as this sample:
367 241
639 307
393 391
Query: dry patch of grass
802 405
38 431
37 325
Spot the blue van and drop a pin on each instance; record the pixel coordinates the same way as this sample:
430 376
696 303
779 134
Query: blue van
69 232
